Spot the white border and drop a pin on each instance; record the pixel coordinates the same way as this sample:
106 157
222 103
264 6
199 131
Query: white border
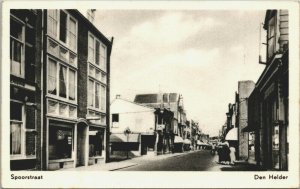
156 179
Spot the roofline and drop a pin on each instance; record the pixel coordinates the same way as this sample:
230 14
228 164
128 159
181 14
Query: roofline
134 103
92 25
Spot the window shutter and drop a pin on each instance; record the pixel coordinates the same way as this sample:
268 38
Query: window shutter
30 143
30 117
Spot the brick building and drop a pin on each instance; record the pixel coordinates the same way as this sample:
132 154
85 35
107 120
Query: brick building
66 79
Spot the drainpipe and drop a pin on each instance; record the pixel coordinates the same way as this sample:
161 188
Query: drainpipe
42 91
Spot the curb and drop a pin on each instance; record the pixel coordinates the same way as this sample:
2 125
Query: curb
127 166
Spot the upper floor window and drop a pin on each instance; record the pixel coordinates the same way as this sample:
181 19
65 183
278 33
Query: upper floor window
96 95
271 34
62 26
17 47
96 52
61 80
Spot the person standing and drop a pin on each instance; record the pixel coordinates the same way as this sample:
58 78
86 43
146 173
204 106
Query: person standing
232 155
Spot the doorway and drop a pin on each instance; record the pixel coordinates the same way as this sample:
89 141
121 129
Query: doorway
81 144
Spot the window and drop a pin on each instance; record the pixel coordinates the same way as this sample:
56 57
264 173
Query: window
17 41
52 22
22 137
67 80
97 97
271 37
91 49
65 25
103 98
91 93
52 77
16 117
103 57
97 52
72 33
60 142
96 142
62 81
115 117
72 81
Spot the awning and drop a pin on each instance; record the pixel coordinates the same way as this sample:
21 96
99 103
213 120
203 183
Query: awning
232 134
186 141
248 129
178 139
200 143
121 137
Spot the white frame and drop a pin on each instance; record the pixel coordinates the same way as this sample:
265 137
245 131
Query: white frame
22 69
67 43
23 155
103 67
58 64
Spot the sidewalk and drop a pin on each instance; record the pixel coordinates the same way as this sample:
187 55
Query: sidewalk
238 166
113 166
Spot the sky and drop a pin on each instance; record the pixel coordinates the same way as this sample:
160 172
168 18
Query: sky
201 54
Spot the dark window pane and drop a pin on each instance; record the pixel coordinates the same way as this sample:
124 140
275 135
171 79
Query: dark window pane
60 142
63 26
16 111
97 52
16 29
30 143
165 97
30 117
115 118
62 81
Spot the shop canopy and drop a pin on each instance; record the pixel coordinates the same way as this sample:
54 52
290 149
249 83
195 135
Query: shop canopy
232 134
186 141
178 139
121 137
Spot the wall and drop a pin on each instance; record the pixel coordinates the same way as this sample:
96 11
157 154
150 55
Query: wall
245 88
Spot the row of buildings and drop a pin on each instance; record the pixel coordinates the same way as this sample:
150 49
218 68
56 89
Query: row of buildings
152 124
60 98
59 89
258 119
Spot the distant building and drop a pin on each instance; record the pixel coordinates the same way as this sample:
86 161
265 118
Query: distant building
132 127
173 102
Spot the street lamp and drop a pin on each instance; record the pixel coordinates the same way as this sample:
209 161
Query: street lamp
127 131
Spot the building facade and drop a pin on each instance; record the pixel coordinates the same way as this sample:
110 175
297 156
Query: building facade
68 76
132 128
268 113
25 89
171 107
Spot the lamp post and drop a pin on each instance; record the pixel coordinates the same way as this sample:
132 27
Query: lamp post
127 132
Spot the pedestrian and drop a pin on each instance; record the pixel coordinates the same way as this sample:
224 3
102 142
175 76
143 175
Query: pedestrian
232 155
220 153
213 149
226 153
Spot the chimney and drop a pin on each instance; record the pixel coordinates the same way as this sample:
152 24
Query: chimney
118 96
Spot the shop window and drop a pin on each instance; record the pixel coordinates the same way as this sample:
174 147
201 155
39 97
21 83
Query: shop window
96 142
60 142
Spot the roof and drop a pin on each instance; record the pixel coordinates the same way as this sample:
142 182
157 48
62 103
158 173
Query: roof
156 98
125 106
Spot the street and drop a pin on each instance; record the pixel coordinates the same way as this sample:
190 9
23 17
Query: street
192 161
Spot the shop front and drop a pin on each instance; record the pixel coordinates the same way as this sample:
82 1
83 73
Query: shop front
96 145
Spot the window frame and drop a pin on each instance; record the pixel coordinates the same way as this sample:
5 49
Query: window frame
93 96
271 23
24 130
22 66
68 68
101 66
57 37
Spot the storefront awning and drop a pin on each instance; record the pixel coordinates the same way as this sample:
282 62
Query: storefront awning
232 134
178 139
186 141
120 137
248 129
